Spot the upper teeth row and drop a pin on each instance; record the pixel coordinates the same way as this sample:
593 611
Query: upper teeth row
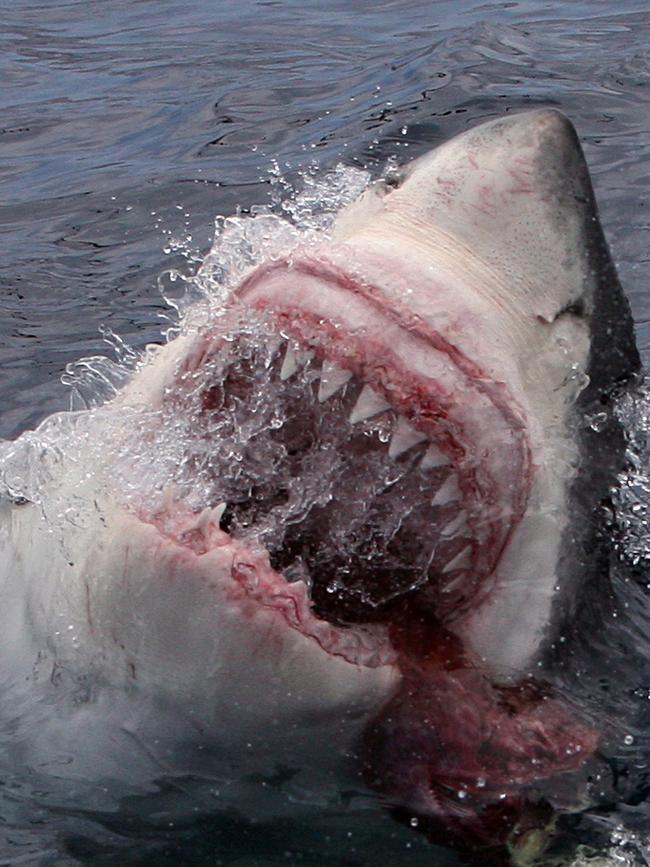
369 404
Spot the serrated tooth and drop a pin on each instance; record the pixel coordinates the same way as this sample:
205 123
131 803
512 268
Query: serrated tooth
448 492
461 561
404 437
456 524
433 458
368 403
332 378
290 364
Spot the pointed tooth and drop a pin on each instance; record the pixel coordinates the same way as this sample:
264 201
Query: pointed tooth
369 403
299 588
433 458
203 519
206 517
455 584
332 379
456 524
199 520
449 492
273 346
404 437
290 364
168 497
461 561
297 574
217 513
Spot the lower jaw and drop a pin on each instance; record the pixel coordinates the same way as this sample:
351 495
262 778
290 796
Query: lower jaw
450 752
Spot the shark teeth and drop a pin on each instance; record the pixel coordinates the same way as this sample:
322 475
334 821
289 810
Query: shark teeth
461 561
404 438
290 363
449 492
297 573
169 496
293 361
208 516
332 379
455 525
217 512
434 458
369 403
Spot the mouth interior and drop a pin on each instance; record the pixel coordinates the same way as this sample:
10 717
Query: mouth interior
316 465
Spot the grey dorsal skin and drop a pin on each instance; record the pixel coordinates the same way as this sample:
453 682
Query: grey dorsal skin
613 365
353 505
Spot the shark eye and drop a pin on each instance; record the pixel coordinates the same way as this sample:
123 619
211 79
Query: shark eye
573 308
14 499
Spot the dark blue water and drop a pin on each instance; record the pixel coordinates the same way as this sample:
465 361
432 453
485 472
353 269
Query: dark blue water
125 129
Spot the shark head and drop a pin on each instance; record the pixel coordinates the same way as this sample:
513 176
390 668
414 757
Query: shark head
373 505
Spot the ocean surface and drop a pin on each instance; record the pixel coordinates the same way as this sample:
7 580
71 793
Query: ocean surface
127 128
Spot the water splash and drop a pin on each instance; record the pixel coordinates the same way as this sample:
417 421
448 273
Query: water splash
626 849
106 444
632 496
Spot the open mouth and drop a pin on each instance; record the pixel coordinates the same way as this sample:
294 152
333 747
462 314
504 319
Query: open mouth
363 459
358 478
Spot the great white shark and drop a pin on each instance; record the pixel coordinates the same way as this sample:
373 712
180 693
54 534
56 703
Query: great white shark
383 504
